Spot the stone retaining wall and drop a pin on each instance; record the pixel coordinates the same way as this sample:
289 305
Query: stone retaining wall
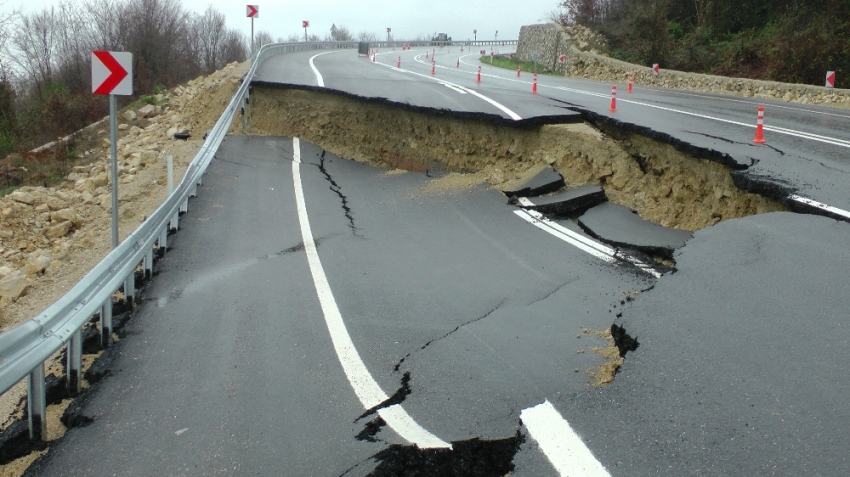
582 61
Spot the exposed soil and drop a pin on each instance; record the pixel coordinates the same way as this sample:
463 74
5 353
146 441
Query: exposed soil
142 188
662 184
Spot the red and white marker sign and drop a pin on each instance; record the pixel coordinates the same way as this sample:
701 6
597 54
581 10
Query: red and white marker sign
305 24
562 59
655 69
112 72
253 11
830 79
483 52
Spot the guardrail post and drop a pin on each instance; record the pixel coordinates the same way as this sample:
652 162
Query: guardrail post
174 224
75 362
106 323
185 207
148 264
163 239
194 192
36 405
130 287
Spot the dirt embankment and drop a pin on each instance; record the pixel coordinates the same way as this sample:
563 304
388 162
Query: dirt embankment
660 183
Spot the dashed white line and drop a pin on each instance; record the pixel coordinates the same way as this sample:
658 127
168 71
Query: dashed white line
501 107
561 445
365 386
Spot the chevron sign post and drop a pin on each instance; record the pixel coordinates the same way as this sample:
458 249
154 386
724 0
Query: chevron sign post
252 11
112 74
830 79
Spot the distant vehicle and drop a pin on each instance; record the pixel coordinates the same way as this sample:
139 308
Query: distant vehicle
441 39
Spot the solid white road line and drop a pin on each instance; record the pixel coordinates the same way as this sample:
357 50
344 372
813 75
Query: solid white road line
319 79
561 445
788 132
819 205
597 249
365 386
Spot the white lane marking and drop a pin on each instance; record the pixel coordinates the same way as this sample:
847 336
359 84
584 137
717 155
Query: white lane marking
819 205
755 103
501 107
319 79
365 386
788 132
453 88
579 241
561 445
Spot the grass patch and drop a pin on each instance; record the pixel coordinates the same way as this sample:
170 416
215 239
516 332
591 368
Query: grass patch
509 63
4 191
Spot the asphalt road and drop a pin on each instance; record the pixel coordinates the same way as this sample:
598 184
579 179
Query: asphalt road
469 321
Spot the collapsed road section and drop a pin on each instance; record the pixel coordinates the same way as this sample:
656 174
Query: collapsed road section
687 190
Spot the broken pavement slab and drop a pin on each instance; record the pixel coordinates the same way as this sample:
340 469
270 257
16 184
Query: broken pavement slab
569 201
545 182
620 226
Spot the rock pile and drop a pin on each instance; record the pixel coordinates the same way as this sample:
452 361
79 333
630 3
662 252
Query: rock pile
44 228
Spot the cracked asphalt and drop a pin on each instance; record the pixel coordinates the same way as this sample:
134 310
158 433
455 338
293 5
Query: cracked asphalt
467 315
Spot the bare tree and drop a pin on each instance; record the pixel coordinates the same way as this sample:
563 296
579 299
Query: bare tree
233 47
340 33
261 38
7 20
367 36
34 40
209 29
155 31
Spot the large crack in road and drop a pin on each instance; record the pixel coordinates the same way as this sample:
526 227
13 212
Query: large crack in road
667 182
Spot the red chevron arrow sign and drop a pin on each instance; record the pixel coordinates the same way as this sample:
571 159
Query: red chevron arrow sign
253 11
112 73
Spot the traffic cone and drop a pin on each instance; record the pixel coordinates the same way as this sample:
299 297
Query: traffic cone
534 85
631 79
399 63
613 97
433 67
373 57
517 71
458 63
426 55
760 127
478 80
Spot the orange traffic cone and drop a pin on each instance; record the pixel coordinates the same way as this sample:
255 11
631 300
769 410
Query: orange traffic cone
631 79
398 65
760 127
433 67
478 79
517 71
613 97
534 85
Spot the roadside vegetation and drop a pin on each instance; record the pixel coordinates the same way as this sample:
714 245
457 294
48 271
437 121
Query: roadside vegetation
794 41
45 71
504 61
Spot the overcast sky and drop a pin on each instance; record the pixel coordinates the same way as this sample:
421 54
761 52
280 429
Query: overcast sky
407 18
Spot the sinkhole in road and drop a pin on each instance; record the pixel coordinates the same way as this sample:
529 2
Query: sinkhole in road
685 190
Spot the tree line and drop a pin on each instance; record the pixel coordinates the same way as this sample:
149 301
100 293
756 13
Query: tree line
45 59
795 41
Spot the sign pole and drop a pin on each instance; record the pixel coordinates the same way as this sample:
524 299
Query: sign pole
252 35
113 133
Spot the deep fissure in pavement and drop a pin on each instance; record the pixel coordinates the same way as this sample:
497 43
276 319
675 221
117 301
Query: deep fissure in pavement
666 181
397 398
335 188
469 458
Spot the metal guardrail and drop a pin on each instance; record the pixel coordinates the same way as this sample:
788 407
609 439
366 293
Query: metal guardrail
398 44
25 348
